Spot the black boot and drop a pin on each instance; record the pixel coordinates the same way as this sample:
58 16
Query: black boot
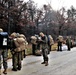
5 71
19 68
13 69
43 63
46 63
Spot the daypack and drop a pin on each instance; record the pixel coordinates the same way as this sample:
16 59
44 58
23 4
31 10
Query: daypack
3 40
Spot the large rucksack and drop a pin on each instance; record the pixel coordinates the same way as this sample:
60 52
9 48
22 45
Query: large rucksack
33 39
20 44
50 40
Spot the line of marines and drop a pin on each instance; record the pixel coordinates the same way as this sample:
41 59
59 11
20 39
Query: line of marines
43 43
17 44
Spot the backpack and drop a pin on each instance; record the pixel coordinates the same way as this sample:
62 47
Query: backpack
50 40
20 44
3 39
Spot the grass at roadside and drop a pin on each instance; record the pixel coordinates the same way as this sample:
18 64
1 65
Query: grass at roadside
54 47
28 50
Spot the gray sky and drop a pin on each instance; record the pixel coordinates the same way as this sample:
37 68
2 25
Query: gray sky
56 4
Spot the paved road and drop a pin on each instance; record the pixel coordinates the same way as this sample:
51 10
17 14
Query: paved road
60 63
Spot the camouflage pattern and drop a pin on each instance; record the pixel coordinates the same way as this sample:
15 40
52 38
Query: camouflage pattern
12 47
4 54
68 42
18 51
60 40
16 56
44 43
17 60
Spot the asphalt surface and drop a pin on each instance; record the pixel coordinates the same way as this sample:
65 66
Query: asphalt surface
60 63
